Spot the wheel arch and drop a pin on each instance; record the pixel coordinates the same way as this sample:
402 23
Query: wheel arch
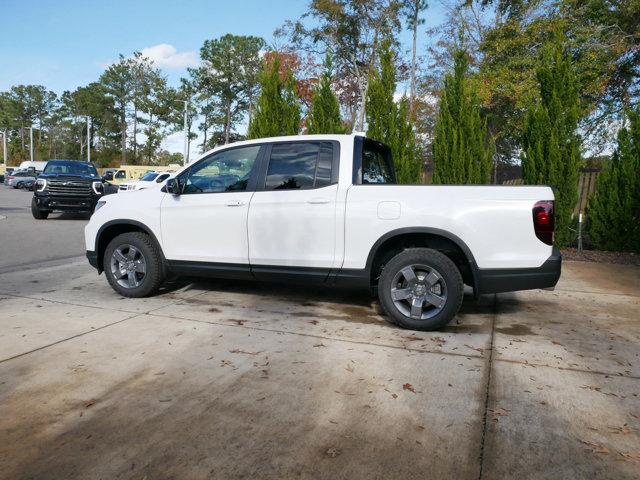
112 229
393 242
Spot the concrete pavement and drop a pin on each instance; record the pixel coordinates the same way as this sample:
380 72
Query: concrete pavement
245 380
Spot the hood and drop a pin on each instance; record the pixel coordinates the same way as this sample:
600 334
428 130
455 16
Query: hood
64 176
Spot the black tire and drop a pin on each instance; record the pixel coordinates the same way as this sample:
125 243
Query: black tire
449 284
153 276
37 213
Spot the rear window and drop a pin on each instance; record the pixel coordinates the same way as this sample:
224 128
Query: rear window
376 163
71 168
303 165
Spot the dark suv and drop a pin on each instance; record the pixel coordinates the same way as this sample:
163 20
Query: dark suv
68 186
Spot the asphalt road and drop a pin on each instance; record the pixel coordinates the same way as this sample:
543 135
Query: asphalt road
232 380
25 241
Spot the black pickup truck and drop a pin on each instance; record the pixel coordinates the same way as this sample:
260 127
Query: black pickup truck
68 186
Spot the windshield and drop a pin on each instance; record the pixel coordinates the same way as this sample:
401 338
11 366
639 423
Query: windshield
71 168
149 176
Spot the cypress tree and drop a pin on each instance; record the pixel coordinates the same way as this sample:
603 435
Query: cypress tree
550 144
380 108
388 122
325 110
404 148
278 109
462 151
613 215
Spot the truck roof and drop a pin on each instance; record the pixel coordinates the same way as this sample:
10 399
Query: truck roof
285 138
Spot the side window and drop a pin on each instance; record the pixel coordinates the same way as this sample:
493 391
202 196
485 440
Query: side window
375 168
225 171
121 174
162 178
301 165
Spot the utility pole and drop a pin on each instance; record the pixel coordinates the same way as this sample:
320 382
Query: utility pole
186 134
31 143
88 138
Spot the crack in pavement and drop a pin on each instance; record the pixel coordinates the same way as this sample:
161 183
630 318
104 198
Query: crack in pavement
488 386
66 339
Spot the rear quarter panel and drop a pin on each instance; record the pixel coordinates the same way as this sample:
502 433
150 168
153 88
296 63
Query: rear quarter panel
495 222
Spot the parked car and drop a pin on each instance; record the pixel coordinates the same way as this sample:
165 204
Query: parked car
18 177
148 180
27 184
325 209
68 186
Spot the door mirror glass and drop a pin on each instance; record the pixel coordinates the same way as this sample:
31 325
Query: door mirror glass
173 186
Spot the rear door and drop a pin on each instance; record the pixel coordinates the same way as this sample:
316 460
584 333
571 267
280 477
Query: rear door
292 215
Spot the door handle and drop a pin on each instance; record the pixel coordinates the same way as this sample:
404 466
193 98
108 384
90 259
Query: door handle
235 203
318 201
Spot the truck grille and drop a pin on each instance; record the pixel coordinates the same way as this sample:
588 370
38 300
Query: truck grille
68 187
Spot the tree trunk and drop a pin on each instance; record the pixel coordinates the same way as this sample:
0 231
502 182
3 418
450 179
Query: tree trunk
123 126
205 128
135 133
227 125
413 69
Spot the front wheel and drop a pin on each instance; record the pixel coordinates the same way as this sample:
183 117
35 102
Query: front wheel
421 289
133 265
37 213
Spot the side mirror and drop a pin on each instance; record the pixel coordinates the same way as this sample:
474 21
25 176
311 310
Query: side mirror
173 186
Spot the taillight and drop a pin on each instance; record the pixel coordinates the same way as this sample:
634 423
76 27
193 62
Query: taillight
544 221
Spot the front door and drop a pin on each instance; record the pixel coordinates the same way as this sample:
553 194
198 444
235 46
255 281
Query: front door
293 213
207 222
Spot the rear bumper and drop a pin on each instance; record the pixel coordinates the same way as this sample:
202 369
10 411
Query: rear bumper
513 279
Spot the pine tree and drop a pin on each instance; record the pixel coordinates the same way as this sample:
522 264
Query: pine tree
550 144
324 116
462 151
278 108
613 215
390 123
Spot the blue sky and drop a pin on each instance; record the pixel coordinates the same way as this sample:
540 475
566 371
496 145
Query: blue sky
64 44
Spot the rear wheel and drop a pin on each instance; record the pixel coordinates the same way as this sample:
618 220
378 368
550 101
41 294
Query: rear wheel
133 265
421 289
37 213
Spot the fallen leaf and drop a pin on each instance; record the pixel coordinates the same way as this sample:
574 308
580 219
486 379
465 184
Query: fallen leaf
624 429
237 350
595 448
408 386
332 452
89 403
631 455
498 412
412 338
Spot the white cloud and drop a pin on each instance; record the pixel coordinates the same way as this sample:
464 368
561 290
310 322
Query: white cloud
167 56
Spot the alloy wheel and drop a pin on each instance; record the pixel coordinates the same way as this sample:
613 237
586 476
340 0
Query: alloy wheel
419 291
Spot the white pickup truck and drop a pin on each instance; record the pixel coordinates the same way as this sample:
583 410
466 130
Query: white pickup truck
325 209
